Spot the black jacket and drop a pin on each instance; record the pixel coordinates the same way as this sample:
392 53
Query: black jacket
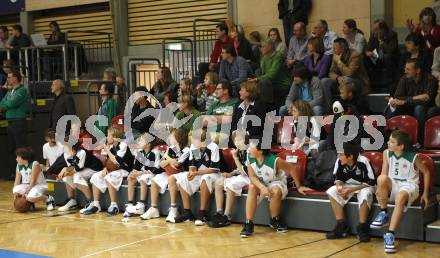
144 124
259 109
62 105
301 9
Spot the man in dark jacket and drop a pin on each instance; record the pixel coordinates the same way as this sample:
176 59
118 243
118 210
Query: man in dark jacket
62 105
291 12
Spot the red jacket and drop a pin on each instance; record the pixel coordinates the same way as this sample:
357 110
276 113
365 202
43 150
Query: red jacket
432 40
216 52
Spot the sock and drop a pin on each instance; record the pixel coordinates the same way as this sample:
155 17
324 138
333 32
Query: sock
276 218
220 211
113 204
187 211
340 221
385 210
227 214
131 202
249 221
89 200
154 205
391 231
173 205
96 204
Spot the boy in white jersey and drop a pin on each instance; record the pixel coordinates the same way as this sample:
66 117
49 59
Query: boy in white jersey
398 182
29 179
51 149
268 179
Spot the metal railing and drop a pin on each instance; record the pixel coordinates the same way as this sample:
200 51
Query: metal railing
142 72
179 59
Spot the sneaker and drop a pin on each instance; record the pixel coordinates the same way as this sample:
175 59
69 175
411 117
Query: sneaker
341 230
200 219
91 209
70 205
219 220
184 217
137 209
151 213
248 229
85 207
363 235
277 225
380 221
112 210
388 241
50 203
172 214
127 212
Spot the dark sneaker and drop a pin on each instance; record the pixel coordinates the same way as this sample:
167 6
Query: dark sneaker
219 220
200 219
341 230
277 225
248 229
112 210
363 235
92 209
184 217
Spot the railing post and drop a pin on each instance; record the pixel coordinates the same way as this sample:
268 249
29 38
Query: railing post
75 58
65 72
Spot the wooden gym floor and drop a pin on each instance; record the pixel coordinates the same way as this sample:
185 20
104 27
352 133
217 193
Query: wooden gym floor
71 235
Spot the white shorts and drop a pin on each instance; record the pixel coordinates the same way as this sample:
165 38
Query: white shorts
411 188
280 184
80 177
35 192
161 180
114 178
145 178
236 183
366 194
193 186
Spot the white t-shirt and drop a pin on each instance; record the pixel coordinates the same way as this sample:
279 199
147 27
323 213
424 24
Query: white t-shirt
52 153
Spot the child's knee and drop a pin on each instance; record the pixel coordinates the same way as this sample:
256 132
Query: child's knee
276 192
401 199
382 180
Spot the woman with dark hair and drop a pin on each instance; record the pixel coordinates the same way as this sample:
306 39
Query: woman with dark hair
354 36
414 49
108 107
317 62
255 40
427 27
241 44
274 35
57 37
165 85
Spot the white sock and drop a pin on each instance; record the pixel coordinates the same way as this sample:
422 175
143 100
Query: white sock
96 204
113 204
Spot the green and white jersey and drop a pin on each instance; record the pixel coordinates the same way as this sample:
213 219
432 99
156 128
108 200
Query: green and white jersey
26 174
267 171
402 168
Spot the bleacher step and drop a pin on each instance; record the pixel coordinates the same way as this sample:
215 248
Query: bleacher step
433 232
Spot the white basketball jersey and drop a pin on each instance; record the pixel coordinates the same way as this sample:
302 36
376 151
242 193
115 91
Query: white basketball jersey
267 172
402 168
26 174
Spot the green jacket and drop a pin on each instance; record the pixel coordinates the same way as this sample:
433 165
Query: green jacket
15 103
110 109
273 68
188 126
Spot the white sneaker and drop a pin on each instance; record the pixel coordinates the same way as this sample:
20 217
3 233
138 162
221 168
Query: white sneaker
172 214
50 203
89 206
70 205
138 209
151 213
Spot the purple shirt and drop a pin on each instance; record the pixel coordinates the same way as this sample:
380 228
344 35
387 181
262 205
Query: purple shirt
322 66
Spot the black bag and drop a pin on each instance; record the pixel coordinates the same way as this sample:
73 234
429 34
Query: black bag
320 171
57 166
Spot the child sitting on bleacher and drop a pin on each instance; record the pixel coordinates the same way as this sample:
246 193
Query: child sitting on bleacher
29 179
51 149
353 175
175 158
206 92
268 180
146 166
80 166
119 162
399 182
204 167
233 182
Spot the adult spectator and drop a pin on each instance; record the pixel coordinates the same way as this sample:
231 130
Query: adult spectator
234 69
304 87
19 39
298 45
165 85
186 109
56 36
274 35
14 105
274 81
435 110
291 12
317 61
255 40
428 28
223 109
346 66
414 94
436 63
354 36
249 106
143 125
221 31
242 46
320 29
63 103
4 37
8 65
382 52
414 49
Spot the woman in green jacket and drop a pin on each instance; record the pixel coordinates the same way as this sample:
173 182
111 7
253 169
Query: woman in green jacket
108 107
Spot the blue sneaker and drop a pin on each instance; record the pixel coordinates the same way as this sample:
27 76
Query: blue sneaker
388 241
380 221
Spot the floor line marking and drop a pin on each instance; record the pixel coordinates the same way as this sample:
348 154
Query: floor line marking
117 222
342 250
285 248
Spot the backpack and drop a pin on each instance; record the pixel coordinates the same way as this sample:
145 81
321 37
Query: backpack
320 171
